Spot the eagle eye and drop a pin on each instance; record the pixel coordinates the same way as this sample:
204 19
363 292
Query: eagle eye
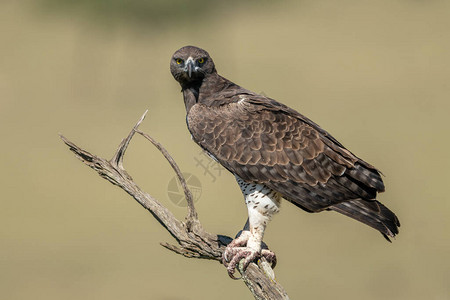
201 60
179 61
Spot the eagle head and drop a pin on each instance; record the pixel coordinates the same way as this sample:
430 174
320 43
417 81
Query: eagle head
190 65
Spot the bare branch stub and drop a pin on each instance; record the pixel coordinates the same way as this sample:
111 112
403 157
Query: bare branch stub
193 240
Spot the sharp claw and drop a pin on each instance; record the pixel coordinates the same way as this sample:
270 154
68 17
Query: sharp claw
226 255
224 262
235 260
225 259
236 251
274 262
231 274
270 257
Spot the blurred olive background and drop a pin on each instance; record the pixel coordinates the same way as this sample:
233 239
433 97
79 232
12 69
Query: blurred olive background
373 73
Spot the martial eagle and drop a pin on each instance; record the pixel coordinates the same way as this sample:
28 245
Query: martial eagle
274 152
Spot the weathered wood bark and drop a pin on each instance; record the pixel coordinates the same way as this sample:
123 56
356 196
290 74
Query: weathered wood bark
192 239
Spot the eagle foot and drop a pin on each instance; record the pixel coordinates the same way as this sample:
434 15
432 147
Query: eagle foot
233 256
240 241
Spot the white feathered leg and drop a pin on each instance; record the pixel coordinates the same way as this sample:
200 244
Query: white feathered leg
262 204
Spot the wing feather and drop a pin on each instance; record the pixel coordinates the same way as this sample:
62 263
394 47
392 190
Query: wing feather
263 141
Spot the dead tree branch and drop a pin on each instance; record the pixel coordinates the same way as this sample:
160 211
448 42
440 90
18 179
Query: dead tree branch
192 239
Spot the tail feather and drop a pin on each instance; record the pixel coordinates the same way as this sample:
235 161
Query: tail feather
372 213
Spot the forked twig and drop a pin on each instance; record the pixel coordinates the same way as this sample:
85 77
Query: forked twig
192 213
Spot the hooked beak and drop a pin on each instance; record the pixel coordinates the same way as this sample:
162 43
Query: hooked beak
190 66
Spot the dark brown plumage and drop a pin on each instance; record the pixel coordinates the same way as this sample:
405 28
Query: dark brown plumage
263 141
